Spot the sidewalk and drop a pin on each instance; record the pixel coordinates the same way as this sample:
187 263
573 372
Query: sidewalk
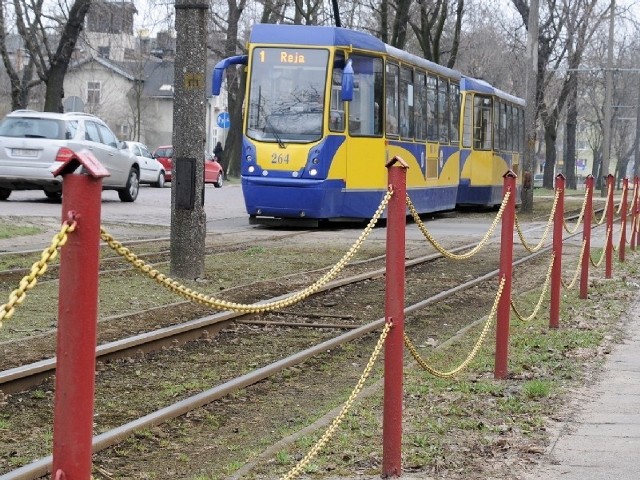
601 439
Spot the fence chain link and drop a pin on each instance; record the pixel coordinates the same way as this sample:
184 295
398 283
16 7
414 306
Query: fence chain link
570 285
474 351
528 247
295 471
440 248
604 251
606 206
37 270
218 304
573 230
545 287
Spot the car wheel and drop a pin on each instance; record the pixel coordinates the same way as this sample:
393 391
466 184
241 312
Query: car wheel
53 195
130 192
220 180
4 193
161 180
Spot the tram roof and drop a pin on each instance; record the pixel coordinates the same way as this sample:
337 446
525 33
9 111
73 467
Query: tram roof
308 35
313 35
477 85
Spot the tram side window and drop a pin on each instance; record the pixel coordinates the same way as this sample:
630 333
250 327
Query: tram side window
365 114
336 113
420 108
392 107
406 103
454 100
520 130
443 110
467 126
432 109
511 127
482 123
502 132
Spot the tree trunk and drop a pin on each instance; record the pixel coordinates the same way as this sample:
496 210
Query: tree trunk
550 136
571 127
62 57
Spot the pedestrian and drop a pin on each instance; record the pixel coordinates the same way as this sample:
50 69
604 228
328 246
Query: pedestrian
217 151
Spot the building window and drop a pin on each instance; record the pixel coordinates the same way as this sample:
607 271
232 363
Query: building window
93 93
123 131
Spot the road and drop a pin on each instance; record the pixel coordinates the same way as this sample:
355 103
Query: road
150 216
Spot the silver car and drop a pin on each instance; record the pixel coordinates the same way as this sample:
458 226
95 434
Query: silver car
151 170
29 145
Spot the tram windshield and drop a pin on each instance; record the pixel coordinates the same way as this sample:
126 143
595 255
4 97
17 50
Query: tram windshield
286 94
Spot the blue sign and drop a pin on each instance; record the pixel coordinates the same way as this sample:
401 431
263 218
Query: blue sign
224 121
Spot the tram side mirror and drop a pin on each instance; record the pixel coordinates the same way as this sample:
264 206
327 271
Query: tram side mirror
347 82
221 66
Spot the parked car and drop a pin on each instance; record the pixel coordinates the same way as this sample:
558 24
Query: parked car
29 145
151 170
537 180
164 154
213 172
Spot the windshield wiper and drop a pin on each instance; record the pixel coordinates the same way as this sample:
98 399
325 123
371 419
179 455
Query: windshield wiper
274 131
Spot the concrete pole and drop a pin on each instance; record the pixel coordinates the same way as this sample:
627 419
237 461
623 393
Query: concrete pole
188 219
608 95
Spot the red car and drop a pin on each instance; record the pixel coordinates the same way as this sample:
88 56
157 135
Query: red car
213 172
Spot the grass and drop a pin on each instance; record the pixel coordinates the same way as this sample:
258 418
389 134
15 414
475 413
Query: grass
13 229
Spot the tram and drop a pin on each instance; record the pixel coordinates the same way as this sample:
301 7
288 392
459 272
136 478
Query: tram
326 108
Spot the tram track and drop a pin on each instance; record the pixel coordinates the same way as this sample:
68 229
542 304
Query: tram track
354 331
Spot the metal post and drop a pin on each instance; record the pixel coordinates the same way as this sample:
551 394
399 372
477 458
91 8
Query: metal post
634 213
609 246
77 320
506 271
556 272
394 313
586 238
623 219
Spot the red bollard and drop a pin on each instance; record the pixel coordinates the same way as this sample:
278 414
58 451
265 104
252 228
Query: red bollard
506 270
586 238
556 271
394 313
77 317
608 270
634 214
636 183
623 220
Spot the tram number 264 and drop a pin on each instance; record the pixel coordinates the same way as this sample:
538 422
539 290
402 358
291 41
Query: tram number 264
280 158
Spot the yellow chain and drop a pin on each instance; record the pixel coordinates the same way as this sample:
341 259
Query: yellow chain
573 230
437 373
37 270
624 190
546 229
569 286
606 206
209 301
440 248
545 286
295 471
604 251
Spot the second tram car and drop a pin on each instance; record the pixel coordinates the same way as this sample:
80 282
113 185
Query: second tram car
327 107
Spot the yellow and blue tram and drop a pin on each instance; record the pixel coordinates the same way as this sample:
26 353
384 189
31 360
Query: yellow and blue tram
326 108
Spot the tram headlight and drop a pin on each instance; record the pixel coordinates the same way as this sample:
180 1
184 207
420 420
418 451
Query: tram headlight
294 174
265 173
251 169
249 158
315 161
313 172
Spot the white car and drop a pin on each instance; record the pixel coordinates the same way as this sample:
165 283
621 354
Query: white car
29 146
151 170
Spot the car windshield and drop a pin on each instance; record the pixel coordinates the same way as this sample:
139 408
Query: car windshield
164 152
33 128
286 95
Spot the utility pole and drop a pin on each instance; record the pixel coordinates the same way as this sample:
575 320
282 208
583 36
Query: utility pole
188 219
608 95
530 112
